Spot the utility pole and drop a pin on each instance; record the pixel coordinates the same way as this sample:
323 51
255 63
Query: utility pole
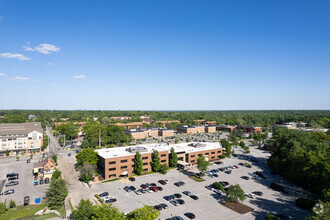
100 138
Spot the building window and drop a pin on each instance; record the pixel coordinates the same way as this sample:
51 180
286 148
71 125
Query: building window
163 155
146 169
206 153
114 168
213 153
112 175
144 158
123 161
123 167
193 161
163 161
199 155
219 151
144 164
192 156
112 162
212 157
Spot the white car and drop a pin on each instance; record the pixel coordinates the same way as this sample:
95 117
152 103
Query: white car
149 190
166 180
250 195
138 192
107 198
217 191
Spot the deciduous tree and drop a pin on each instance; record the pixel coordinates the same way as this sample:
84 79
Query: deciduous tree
138 164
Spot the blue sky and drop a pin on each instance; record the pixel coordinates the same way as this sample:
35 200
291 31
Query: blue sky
165 55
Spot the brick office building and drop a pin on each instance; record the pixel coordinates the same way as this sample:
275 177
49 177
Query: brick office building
116 162
196 129
149 132
249 129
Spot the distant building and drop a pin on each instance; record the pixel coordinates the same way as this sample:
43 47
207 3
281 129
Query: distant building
121 118
228 128
130 125
119 161
149 132
196 129
200 121
249 129
31 117
212 123
289 125
21 137
165 123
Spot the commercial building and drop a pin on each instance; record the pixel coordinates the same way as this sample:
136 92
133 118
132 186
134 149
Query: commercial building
44 169
196 129
122 118
165 123
149 132
228 128
116 162
21 137
131 125
249 129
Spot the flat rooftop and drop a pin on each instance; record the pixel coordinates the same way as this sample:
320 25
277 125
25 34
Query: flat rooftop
148 148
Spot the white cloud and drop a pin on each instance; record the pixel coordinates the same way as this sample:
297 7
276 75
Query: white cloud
19 78
49 64
14 56
79 77
2 75
43 48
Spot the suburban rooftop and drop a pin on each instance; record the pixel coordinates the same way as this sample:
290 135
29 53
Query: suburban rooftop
190 147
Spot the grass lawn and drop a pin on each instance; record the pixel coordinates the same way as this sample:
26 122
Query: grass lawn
106 181
22 211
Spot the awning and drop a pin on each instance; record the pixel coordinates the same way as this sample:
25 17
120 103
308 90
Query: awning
124 173
183 163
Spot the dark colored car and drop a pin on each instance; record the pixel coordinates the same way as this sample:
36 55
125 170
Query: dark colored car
228 171
46 180
104 194
127 189
132 179
168 198
245 177
277 187
224 183
69 154
180 201
12 183
186 193
143 186
177 195
190 215
28 161
41 182
8 192
160 188
132 188
110 200
12 174
153 184
12 178
154 188
162 182
194 197
26 200
178 184
158 207
163 205
258 193
215 175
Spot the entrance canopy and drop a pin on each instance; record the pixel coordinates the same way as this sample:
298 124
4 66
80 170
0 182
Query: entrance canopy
125 173
183 163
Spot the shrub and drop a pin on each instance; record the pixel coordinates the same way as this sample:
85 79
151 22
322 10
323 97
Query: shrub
3 208
12 204
98 198
163 168
270 217
304 203
219 186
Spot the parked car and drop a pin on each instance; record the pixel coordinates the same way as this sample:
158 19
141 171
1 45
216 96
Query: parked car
69 154
177 195
28 161
110 200
143 186
12 174
132 188
132 179
175 202
154 188
104 194
127 189
46 180
187 193
224 183
245 177
163 205
181 201
41 181
12 183
158 207
8 192
26 200
194 197
217 191
190 215
180 183
228 171
12 178
138 192
160 188
162 182
258 193
250 195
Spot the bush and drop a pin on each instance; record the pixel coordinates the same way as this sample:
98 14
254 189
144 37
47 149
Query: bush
219 186
270 217
304 203
163 169
98 198
3 208
12 204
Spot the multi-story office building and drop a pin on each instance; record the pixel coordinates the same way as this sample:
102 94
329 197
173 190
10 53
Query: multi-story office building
116 162
228 128
194 129
249 129
22 137
149 132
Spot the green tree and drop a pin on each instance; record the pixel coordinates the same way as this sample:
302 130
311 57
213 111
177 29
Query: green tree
31 156
57 174
12 204
92 132
235 194
7 153
219 186
202 164
173 158
87 172
87 155
242 144
144 213
320 211
85 144
155 163
116 134
225 144
84 211
70 130
138 164
3 208
17 158
163 169
104 211
43 155
56 193
55 158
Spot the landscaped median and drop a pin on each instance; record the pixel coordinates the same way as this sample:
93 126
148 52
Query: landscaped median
198 179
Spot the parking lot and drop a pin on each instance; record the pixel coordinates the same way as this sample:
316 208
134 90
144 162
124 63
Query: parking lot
208 206
25 186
